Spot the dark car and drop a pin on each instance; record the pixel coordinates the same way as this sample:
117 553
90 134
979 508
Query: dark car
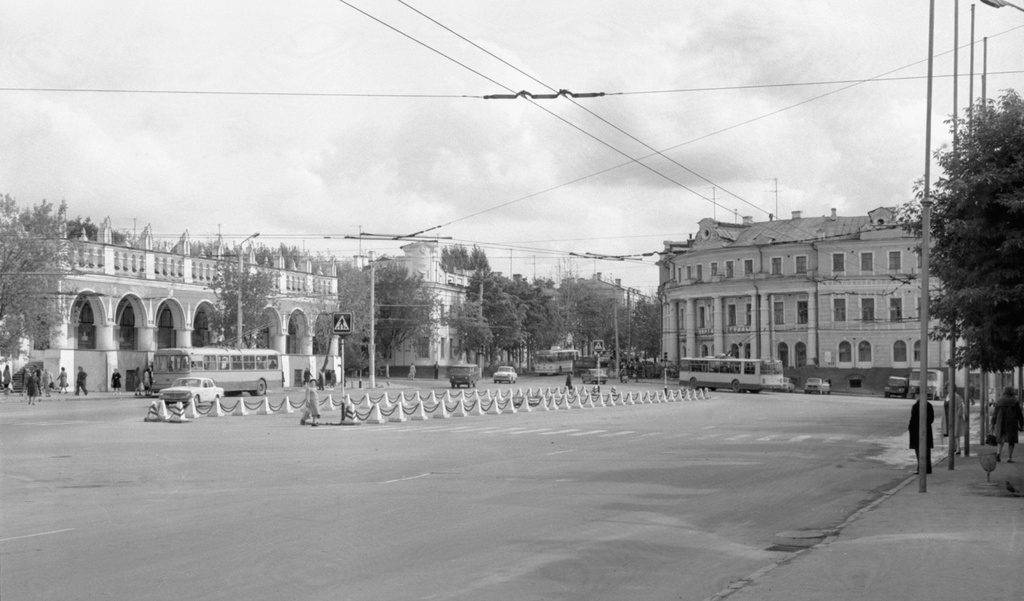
463 375
897 387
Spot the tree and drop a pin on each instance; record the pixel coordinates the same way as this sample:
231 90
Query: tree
475 334
34 255
978 237
647 328
406 310
256 286
354 297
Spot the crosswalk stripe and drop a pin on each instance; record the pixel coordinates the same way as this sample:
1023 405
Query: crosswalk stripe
559 432
799 438
588 433
622 433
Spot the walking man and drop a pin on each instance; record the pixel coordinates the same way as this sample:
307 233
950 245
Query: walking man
80 381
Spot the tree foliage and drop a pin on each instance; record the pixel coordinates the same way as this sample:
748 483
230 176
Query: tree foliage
978 237
458 258
256 286
406 310
34 255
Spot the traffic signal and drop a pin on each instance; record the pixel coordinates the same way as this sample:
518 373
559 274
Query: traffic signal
664 356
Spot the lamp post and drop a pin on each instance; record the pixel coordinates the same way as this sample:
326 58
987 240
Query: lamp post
1001 3
238 341
373 318
923 452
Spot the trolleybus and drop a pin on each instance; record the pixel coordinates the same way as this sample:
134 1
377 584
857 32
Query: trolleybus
554 361
234 370
749 375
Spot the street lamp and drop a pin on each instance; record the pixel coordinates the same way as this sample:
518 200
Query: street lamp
373 318
926 208
238 341
1001 3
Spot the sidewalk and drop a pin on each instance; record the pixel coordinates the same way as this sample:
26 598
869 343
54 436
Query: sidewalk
961 539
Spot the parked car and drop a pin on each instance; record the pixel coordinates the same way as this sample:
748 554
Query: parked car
787 385
505 373
465 374
897 387
595 376
817 385
197 390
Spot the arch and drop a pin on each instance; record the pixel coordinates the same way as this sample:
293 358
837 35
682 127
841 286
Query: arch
864 352
800 352
202 334
298 328
899 352
746 351
270 329
734 350
845 352
85 314
704 350
169 318
784 354
129 315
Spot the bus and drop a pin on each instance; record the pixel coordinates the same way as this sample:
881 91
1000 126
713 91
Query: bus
234 370
554 361
936 383
748 375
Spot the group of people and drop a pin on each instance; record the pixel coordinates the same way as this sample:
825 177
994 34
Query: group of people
1006 421
39 382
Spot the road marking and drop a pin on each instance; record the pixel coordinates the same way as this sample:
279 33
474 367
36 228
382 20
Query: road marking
508 430
799 438
739 436
766 438
588 433
404 479
834 438
560 452
3 540
531 431
559 432
623 433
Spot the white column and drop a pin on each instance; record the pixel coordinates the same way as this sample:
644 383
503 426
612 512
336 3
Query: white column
765 327
691 328
812 328
718 318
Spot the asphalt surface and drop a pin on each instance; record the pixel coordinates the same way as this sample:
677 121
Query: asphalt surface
702 500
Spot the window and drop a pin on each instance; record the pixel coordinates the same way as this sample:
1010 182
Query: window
689 272
210 362
776 265
845 352
748 266
896 311
423 347
801 354
839 309
895 260
729 272
700 272
917 351
801 312
867 309
701 317
867 262
899 352
732 315
750 314
784 354
801 264
734 350
864 352
236 363
838 263
780 312
249 362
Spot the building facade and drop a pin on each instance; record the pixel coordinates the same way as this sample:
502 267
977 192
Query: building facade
121 304
832 296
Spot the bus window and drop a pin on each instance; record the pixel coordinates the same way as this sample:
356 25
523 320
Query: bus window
273 362
225 362
261 362
249 362
749 367
236 363
210 362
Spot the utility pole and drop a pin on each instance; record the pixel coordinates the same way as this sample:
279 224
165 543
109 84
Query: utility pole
776 192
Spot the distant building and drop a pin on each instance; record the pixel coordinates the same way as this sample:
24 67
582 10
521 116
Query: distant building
833 296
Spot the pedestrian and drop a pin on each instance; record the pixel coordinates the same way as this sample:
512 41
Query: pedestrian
140 389
147 380
1006 421
115 381
31 387
437 370
412 371
568 380
7 380
62 381
312 412
80 381
915 435
46 383
306 376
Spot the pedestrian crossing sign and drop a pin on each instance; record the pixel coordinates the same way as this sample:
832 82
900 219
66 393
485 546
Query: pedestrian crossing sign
343 324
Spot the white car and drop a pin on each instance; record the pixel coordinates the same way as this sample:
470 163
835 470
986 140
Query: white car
505 373
198 390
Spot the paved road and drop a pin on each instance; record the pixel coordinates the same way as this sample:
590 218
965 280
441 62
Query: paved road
670 501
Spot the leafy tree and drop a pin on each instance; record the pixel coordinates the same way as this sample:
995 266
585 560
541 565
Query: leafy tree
475 333
354 297
406 310
978 237
458 258
256 286
646 328
34 255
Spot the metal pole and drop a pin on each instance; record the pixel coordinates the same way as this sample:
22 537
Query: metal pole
951 423
970 88
926 224
373 320
238 341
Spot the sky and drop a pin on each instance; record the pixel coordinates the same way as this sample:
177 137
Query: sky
315 121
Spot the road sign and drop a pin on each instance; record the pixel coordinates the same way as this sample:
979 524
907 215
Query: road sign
599 346
342 324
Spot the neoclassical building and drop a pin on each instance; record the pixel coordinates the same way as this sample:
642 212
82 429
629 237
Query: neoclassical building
123 303
831 296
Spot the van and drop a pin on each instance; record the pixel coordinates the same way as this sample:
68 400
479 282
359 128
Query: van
936 383
897 387
463 375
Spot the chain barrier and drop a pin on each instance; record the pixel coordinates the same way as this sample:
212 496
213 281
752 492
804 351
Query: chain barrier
259 404
387 413
233 407
278 408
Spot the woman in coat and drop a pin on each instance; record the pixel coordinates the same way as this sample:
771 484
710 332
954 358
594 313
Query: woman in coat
312 412
31 386
1006 421
915 435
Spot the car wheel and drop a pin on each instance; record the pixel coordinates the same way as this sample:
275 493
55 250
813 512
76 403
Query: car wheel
735 385
261 387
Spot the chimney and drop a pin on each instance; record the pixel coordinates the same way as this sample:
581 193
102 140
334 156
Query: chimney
597 276
833 213
618 282
748 220
797 214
